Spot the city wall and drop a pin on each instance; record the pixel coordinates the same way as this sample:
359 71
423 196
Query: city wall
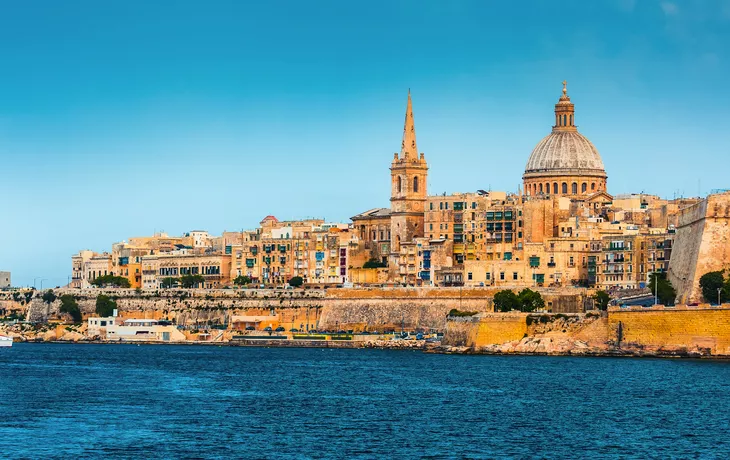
672 328
702 244
680 331
358 309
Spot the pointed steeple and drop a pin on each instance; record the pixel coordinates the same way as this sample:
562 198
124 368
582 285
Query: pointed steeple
564 112
408 149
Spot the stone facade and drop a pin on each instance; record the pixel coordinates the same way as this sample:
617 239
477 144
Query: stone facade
702 245
672 328
5 280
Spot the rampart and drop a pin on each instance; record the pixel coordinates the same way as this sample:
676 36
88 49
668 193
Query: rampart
357 309
672 328
702 244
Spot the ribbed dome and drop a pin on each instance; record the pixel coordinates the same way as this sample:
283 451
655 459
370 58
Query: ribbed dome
565 152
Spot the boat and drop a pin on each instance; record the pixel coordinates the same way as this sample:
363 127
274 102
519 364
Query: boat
6 341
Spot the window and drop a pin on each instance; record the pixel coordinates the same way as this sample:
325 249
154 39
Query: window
468 276
565 188
501 276
555 188
514 276
571 120
415 184
574 188
584 187
540 188
489 276
399 184
430 206
593 185
430 226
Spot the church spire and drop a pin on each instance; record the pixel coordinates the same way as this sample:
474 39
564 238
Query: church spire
408 146
564 112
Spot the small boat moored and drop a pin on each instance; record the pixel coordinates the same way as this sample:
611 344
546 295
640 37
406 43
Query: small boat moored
6 341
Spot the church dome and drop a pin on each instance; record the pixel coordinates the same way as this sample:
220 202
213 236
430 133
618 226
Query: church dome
564 162
566 152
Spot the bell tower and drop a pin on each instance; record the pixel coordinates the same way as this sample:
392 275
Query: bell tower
409 175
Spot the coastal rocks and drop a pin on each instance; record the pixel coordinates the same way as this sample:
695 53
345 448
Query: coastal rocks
395 344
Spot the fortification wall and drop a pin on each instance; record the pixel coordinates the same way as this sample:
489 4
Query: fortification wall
701 245
499 328
358 309
672 328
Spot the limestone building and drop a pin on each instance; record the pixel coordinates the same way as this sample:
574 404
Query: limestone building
4 280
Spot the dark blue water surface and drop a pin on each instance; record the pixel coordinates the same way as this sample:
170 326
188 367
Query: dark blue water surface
69 401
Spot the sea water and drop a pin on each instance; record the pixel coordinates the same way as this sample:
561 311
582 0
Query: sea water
88 401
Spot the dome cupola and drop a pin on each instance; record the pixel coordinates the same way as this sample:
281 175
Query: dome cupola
565 162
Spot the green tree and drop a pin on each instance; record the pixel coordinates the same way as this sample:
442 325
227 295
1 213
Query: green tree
374 263
296 281
191 281
530 300
168 282
709 283
602 298
70 307
111 281
105 306
659 283
49 297
242 280
506 301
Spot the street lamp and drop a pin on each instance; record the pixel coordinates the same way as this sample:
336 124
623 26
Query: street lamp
44 279
34 281
719 290
656 285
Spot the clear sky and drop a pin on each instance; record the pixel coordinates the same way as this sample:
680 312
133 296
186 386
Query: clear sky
120 118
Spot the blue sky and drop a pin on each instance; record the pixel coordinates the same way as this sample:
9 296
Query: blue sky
121 118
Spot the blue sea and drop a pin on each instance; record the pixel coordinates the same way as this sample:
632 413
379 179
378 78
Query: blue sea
91 401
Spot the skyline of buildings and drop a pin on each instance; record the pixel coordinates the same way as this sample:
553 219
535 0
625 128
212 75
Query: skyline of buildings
565 229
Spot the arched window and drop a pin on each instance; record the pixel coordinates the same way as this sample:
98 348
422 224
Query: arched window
593 185
400 184
565 120
574 189
565 188
584 187
415 183
547 187
540 188
571 120
555 188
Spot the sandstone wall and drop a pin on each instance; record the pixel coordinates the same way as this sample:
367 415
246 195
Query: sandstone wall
701 245
372 309
672 328
500 328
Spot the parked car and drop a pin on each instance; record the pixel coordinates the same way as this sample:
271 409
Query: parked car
267 329
280 329
250 328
